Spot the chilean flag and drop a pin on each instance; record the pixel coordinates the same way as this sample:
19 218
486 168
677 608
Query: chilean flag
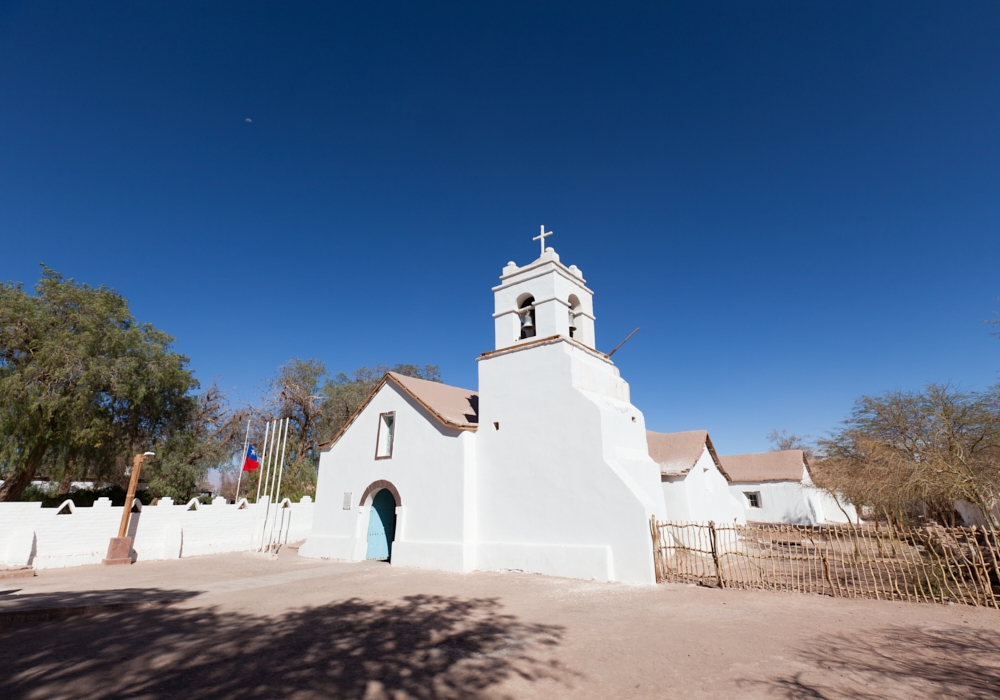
250 463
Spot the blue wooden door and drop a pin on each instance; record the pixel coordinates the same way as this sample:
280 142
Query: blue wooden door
381 525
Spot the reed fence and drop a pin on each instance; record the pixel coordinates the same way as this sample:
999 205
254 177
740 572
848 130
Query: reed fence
927 564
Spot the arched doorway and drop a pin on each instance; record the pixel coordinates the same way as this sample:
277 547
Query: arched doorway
381 526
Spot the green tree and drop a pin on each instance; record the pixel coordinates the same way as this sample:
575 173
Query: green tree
210 436
82 383
317 406
344 393
294 393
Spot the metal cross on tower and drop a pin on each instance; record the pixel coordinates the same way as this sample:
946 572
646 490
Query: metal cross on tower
541 237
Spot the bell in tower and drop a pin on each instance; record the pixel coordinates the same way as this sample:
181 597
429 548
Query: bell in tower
542 299
527 315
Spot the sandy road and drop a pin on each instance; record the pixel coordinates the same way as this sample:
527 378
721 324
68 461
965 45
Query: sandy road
237 626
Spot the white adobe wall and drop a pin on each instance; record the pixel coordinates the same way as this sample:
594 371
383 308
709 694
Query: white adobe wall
565 485
781 502
972 515
431 466
702 495
830 509
833 510
792 503
40 537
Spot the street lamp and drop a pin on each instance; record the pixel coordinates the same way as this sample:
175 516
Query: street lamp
120 548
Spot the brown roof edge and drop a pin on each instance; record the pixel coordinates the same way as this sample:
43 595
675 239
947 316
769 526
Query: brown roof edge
715 457
681 450
357 412
549 339
444 421
441 419
781 465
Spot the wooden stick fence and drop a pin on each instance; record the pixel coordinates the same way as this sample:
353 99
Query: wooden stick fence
928 564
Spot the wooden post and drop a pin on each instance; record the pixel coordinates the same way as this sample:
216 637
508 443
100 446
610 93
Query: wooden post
120 548
826 571
715 554
656 549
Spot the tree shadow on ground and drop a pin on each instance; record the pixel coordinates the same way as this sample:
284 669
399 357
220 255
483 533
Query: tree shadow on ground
9 602
903 662
418 647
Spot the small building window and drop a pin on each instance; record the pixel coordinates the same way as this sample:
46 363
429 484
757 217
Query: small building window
753 499
386 430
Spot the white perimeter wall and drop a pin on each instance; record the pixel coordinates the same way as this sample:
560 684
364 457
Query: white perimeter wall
431 467
40 537
566 486
702 495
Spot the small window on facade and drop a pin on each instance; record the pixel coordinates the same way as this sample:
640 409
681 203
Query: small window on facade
386 430
753 498
347 500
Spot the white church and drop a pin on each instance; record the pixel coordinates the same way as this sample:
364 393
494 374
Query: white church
545 469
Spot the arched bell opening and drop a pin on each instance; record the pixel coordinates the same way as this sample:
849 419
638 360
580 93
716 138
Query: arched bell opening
574 311
526 312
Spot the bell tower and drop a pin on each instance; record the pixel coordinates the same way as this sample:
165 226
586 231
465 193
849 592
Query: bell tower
564 482
542 299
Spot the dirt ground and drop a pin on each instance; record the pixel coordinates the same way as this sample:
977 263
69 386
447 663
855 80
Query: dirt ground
236 626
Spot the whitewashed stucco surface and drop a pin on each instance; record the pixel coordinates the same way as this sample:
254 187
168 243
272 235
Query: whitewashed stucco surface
793 503
557 478
702 495
44 538
566 485
431 467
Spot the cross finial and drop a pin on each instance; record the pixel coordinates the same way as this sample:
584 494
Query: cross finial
541 237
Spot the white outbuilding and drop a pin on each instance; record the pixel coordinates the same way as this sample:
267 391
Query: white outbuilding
695 485
775 487
545 469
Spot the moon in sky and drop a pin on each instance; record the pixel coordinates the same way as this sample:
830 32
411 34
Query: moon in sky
249 120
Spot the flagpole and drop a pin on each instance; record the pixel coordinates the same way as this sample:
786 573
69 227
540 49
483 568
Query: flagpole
281 465
267 485
277 446
262 459
236 497
277 495
275 427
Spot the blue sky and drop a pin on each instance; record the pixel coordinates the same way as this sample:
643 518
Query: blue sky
798 203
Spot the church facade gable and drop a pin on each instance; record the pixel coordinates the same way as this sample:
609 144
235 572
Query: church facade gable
425 469
452 406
